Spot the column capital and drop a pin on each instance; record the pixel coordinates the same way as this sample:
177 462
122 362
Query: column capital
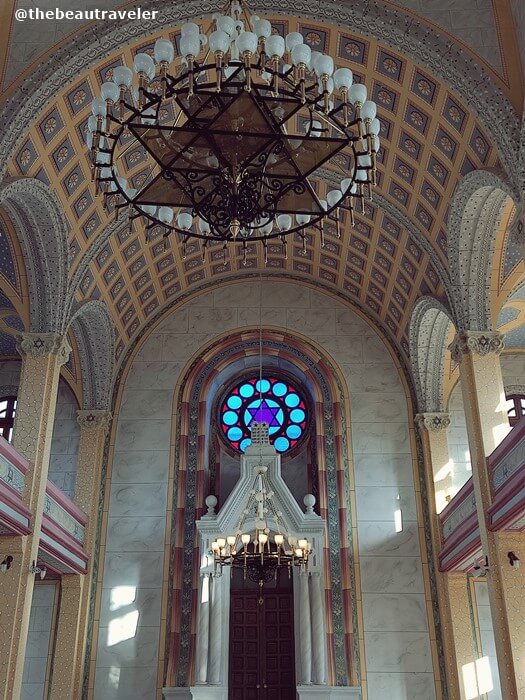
41 344
479 342
94 419
432 421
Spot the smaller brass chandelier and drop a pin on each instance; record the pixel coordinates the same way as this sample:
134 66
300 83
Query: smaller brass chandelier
255 117
262 554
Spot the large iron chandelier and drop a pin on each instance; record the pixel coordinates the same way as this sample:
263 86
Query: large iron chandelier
256 116
262 553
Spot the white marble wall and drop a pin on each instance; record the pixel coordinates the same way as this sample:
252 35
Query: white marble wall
397 639
38 641
64 445
486 634
460 466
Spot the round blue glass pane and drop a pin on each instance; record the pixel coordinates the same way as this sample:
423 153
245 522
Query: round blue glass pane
230 417
234 434
280 389
263 386
293 432
244 444
234 402
278 403
297 415
246 391
281 444
292 400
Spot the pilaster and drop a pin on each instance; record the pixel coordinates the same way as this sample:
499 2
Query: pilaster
42 356
487 424
433 430
76 589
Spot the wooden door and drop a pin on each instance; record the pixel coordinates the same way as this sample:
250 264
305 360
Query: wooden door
262 654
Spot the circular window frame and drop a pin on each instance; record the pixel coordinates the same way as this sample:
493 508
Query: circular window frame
285 377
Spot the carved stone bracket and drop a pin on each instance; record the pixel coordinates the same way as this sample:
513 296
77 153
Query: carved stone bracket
94 420
432 421
480 342
41 344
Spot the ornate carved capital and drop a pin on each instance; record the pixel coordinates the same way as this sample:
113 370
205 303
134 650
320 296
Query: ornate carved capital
41 344
480 342
432 421
94 420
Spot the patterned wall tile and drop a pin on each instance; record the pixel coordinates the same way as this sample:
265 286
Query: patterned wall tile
123 302
91 225
467 167
133 328
404 170
454 114
173 289
328 276
385 96
316 38
63 155
165 262
50 125
372 304
8 267
353 49
417 118
391 227
383 262
399 194
154 303
195 277
111 272
480 145
438 170
168 277
104 256
73 180
43 176
424 87
82 204
430 194
446 143
410 145
389 65
142 280
387 245
26 156
351 288
79 97
424 217
106 72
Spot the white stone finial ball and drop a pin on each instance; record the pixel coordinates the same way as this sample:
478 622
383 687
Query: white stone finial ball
211 502
309 502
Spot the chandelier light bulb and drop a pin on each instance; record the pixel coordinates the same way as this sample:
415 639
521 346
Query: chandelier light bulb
303 219
190 29
262 27
226 24
302 544
123 76
144 64
163 51
301 53
245 539
184 221
279 539
275 46
98 107
166 215
357 94
284 222
231 540
368 110
333 197
293 39
343 78
219 41
324 65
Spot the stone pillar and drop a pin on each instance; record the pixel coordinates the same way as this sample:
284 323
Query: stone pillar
76 589
318 629
305 631
42 356
203 631
215 652
487 424
433 431
463 634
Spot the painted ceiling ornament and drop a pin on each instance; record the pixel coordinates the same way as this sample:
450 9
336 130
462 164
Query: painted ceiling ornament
255 117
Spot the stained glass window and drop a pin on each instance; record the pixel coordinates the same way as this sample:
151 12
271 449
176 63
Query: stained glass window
272 400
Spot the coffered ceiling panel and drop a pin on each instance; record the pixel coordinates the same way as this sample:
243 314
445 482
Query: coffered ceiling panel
392 255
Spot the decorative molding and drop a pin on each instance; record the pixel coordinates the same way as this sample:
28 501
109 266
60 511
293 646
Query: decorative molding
435 422
94 419
41 228
41 344
429 327
479 342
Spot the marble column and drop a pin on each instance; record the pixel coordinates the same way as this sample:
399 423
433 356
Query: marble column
487 424
305 631
433 431
215 652
318 629
203 631
76 590
42 356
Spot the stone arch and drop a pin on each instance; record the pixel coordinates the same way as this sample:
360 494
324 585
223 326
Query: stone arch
42 231
475 213
429 328
94 331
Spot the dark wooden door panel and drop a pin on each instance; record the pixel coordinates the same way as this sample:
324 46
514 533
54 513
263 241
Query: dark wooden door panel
262 654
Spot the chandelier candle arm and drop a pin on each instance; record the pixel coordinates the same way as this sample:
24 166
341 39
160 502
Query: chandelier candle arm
253 125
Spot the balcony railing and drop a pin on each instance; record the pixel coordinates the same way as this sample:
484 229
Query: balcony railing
459 523
61 545
507 467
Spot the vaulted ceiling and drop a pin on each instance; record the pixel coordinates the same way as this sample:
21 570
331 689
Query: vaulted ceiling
431 137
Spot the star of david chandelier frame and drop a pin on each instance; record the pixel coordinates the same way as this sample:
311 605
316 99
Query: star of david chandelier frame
252 124
261 557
